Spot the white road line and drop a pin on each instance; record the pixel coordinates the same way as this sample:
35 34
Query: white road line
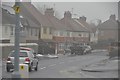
61 62
52 65
43 68
85 75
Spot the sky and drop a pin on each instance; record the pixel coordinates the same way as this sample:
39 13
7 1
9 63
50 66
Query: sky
91 10
101 9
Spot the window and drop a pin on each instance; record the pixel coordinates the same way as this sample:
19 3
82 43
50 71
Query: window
68 34
11 33
36 31
50 31
31 32
61 33
21 54
45 30
27 29
6 29
80 35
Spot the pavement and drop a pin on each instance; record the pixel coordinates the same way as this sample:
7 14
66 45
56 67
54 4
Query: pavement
102 66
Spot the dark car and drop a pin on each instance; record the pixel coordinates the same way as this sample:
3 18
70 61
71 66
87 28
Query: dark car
77 49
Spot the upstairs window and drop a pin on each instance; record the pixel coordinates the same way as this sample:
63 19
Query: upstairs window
11 33
45 30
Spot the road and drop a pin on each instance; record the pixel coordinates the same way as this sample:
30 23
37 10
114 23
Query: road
68 67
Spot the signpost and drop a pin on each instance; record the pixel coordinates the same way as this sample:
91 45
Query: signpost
16 73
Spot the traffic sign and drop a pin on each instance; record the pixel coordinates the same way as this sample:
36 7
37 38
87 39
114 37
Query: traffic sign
16 8
22 67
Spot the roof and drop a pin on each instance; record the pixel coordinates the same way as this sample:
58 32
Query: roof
73 24
7 18
56 23
29 11
109 25
85 24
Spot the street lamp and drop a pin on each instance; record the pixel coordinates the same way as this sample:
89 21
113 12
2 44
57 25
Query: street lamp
16 73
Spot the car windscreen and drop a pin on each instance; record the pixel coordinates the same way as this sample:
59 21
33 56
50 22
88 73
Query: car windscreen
21 54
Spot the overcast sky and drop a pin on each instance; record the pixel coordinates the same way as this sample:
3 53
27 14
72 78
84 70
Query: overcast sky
92 10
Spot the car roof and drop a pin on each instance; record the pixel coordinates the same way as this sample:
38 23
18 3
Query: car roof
25 48
21 51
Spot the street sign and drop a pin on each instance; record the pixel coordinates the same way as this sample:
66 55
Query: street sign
24 70
22 67
16 8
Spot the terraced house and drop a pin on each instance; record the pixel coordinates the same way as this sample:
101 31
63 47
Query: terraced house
79 32
108 30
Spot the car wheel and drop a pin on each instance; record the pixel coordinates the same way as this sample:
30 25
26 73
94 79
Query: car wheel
8 69
36 68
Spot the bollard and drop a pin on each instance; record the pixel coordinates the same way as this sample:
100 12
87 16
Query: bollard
23 69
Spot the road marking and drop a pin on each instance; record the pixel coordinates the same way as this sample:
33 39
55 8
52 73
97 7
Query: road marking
61 62
43 68
85 75
52 65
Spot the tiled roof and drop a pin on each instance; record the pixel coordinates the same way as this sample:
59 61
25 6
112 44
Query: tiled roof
56 23
109 24
73 24
30 11
86 25
7 18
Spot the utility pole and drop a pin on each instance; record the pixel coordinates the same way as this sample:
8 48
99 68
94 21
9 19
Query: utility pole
16 73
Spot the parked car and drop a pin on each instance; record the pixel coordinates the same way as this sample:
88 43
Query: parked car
67 51
77 49
88 49
26 56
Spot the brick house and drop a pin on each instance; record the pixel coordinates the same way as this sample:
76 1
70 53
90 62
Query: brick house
79 32
108 30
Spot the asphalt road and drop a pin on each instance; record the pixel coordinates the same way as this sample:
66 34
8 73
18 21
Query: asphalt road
68 67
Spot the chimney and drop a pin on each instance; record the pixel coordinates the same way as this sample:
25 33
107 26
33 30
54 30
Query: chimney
113 17
49 12
83 18
67 14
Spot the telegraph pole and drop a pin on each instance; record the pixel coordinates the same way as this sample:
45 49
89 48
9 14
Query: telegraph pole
16 73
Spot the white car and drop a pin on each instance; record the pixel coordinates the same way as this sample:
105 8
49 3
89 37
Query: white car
88 49
26 56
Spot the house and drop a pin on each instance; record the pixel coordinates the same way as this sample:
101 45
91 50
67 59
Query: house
28 10
78 33
92 29
26 28
45 41
108 30
59 30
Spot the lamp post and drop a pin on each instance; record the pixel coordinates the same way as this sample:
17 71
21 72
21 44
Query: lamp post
16 73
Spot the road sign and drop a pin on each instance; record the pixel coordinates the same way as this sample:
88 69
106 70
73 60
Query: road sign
24 70
16 8
22 67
